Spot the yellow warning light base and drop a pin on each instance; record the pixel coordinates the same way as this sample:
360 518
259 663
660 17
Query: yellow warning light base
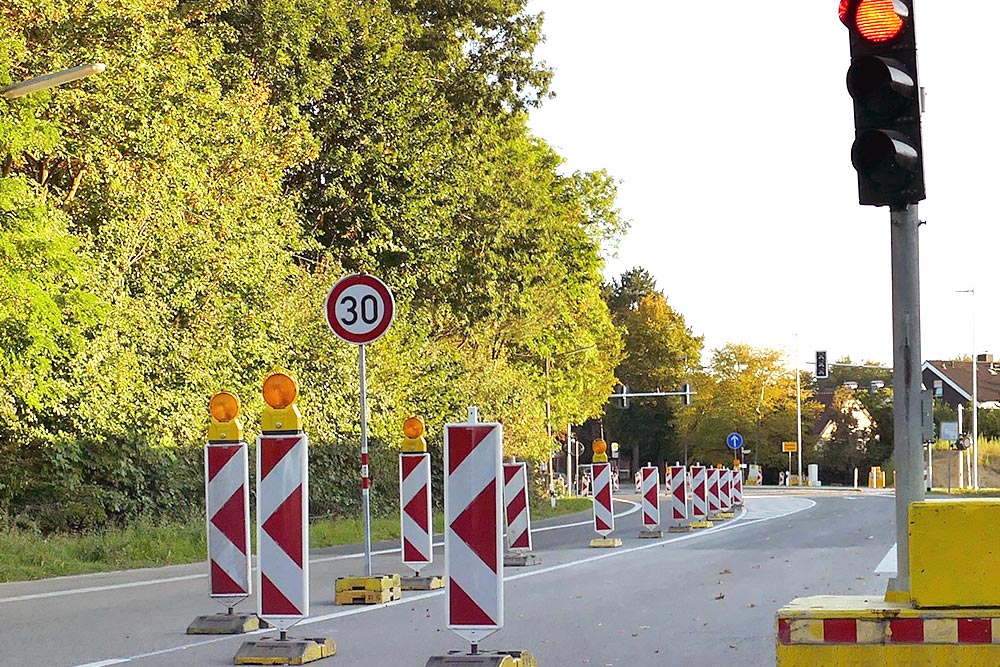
484 659
231 431
605 542
377 589
269 651
418 445
700 524
282 420
600 458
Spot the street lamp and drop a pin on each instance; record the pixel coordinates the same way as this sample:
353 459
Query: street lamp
52 80
975 392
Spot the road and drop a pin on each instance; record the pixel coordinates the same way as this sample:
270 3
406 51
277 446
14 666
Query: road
705 597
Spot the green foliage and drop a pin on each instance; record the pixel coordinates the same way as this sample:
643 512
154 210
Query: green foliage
169 229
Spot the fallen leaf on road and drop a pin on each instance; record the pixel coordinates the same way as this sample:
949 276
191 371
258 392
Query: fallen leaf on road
720 596
726 571
751 605
732 646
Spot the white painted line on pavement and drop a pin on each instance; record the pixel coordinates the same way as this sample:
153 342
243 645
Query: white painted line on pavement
736 523
323 559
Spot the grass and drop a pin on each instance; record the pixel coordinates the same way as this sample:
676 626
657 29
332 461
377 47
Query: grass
26 555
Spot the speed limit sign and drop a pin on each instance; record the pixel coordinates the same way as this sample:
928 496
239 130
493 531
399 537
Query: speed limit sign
359 308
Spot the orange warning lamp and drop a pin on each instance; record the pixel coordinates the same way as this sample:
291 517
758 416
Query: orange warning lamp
600 451
224 408
413 429
281 414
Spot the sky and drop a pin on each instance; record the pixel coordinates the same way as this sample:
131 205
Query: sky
729 128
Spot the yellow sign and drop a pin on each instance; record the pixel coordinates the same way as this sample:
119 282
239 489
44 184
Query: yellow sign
790 446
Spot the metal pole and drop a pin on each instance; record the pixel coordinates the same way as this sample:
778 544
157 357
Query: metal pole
906 381
961 455
365 508
569 458
975 399
798 412
548 428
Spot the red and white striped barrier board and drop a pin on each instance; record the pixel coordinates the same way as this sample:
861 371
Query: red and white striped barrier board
585 485
650 497
678 493
738 487
282 529
415 509
699 501
473 551
712 490
227 504
604 518
516 511
725 477
893 630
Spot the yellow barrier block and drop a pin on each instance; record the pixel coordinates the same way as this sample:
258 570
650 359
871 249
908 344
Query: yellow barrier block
913 655
373 583
955 553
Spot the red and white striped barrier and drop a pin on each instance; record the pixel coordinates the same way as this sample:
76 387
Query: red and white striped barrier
516 511
650 497
712 491
227 504
699 490
678 493
585 485
282 529
725 503
738 487
415 510
473 529
604 518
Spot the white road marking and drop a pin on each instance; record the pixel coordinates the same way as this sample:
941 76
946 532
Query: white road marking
735 523
324 559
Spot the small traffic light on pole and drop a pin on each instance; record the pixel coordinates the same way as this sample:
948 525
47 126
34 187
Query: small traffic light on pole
822 371
887 151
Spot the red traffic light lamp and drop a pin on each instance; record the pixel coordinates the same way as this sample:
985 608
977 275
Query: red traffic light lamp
882 80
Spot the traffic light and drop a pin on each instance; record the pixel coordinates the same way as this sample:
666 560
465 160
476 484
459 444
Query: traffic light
822 372
887 151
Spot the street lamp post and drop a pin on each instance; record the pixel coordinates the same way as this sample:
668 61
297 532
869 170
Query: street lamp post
975 393
52 80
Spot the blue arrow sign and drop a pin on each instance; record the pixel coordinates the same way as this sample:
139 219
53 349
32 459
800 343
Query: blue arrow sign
734 440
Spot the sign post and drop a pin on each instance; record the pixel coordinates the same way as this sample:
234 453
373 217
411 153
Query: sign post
359 309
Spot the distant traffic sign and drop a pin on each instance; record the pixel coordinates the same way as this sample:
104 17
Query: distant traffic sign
359 308
791 446
734 441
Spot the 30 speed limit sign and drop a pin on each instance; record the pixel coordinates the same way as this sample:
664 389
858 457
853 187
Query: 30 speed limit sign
359 308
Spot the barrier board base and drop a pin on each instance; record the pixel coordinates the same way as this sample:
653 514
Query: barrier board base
525 559
225 624
421 583
868 630
651 534
605 542
700 524
269 651
685 528
727 515
487 659
376 589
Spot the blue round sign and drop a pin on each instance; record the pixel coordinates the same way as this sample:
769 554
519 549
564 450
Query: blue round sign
734 441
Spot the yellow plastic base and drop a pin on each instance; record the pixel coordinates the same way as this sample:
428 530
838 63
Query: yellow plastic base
368 590
288 652
701 524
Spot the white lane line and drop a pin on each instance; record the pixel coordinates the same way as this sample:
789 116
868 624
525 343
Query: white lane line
736 523
635 507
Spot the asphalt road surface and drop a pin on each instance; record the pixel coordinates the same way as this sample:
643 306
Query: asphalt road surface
707 597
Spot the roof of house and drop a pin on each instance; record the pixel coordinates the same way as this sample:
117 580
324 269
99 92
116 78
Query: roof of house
958 374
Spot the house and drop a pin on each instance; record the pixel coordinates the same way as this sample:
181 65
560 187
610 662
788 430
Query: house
955 378
825 423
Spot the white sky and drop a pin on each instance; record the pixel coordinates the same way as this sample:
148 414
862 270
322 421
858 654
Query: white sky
729 126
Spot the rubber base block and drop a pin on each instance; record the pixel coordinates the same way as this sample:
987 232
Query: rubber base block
421 583
521 560
225 624
486 659
650 534
605 542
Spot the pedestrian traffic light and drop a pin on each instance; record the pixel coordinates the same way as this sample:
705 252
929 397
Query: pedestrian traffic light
882 79
822 372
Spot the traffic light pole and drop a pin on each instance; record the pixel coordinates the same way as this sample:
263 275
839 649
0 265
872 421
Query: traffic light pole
906 385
